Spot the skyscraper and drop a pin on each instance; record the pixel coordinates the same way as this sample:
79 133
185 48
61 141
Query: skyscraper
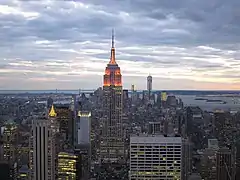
225 163
84 128
63 118
10 138
149 85
10 150
42 144
112 145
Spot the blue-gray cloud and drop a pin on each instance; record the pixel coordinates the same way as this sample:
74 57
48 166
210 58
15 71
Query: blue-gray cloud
66 43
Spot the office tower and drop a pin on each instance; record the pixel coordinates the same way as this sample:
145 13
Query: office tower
209 163
112 142
159 101
67 165
149 85
225 163
10 140
186 158
155 157
83 144
223 128
125 94
192 114
42 144
75 106
83 162
84 128
64 119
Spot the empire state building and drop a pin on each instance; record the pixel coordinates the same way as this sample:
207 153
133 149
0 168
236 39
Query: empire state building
112 142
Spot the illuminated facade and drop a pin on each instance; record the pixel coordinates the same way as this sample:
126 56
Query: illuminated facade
155 157
164 96
10 149
112 144
67 166
10 138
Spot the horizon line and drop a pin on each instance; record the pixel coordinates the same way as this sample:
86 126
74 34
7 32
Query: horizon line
123 89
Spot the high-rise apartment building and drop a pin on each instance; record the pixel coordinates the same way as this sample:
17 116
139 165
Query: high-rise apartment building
155 157
43 148
112 142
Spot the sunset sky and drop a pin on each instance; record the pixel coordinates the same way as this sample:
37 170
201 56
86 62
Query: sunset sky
183 44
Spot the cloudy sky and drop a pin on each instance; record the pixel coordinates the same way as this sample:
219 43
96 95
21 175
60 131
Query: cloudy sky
183 44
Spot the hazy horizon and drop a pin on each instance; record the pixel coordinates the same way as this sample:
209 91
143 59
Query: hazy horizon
187 45
139 90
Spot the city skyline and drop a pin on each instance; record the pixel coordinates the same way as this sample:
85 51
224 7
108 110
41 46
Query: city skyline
65 45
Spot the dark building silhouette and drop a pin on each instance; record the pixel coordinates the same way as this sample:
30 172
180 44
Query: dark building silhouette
5 171
225 169
49 102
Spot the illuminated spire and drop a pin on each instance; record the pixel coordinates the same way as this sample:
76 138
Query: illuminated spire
52 112
112 59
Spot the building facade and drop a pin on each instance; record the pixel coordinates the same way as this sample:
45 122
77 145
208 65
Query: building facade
84 128
225 165
67 166
10 140
149 85
155 157
43 148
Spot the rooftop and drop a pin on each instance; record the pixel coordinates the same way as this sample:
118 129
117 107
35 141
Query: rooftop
149 139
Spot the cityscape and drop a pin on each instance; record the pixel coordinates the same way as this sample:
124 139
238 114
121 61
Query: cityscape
117 131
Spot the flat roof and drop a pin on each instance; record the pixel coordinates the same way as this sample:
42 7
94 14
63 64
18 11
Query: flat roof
155 139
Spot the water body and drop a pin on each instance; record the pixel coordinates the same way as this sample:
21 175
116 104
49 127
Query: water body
188 97
232 104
